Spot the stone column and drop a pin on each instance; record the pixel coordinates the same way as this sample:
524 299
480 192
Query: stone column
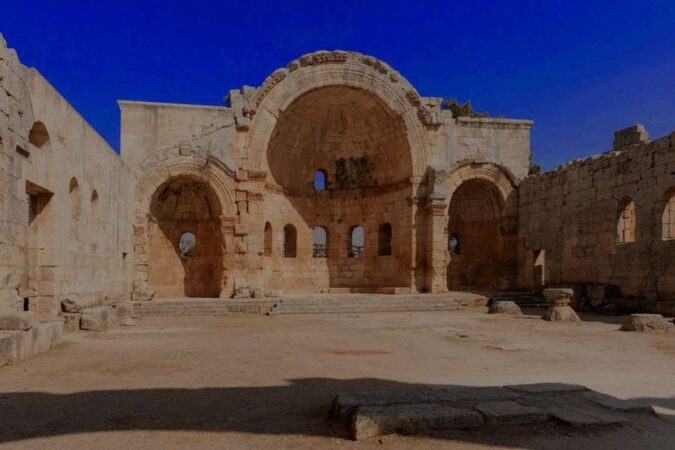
141 290
559 309
437 244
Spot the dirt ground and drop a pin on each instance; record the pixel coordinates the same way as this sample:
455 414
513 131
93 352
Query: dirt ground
266 382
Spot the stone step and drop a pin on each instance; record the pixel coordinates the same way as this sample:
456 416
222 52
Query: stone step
363 309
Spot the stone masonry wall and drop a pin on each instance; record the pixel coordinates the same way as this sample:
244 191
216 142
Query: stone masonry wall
66 201
571 219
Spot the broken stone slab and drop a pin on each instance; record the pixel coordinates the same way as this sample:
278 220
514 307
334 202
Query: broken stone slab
71 321
17 320
573 409
645 323
123 310
371 421
504 307
630 406
539 388
346 404
70 306
511 413
99 318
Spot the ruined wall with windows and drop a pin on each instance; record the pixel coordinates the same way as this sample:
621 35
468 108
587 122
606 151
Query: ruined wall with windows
65 222
604 224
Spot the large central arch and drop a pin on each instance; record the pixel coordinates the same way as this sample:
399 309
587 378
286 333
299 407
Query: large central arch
361 148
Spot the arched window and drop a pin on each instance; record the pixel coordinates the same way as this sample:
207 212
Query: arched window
384 239
290 241
268 239
319 242
38 135
627 221
320 180
356 240
453 244
668 219
187 245
74 205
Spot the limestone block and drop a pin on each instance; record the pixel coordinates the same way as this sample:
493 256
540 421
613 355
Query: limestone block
371 421
70 306
45 308
258 293
504 307
17 320
47 335
645 323
11 347
99 318
123 311
142 294
71 321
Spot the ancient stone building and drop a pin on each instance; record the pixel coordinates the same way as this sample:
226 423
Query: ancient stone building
335 175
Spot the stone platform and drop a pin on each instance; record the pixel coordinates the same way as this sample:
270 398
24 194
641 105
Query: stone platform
377 413
17 345
309 304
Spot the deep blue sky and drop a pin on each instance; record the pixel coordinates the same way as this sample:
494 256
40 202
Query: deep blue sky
579 69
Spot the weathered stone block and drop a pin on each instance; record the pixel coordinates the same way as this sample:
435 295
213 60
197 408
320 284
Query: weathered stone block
17 320
71 321
45 308
645 323
560 314
123 311
70 306
99 318
504 307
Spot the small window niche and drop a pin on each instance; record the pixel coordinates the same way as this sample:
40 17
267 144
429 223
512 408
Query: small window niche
320 180
319 242
38 198
355 246
268 239
627 222
290 241
384 239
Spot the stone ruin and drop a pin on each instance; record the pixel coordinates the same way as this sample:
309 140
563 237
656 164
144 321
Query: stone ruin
334 175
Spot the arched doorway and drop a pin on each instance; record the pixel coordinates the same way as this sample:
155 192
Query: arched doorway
184 240
478 245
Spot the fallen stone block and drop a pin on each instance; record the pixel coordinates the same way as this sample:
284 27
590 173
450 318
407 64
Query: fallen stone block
71 321
70 306
371 421
45 308
645 323
504 307
511 413
123 310
99 318
17 320
47 335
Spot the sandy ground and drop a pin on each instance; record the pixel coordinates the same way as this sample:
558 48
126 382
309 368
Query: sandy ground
266 382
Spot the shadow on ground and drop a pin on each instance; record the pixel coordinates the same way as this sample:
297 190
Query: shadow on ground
299 408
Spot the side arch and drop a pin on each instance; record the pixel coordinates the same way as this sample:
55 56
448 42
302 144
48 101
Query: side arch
219 179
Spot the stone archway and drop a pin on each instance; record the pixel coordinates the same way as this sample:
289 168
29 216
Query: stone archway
481 223
185 241
184 194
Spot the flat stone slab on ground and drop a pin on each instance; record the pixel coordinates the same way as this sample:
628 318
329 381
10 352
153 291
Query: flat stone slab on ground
371 421
645 323
346 404
511 413
538 388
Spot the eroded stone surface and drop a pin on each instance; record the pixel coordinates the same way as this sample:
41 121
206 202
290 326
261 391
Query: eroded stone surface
504 307
510 413
16 320
645 323
99 318
561 314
